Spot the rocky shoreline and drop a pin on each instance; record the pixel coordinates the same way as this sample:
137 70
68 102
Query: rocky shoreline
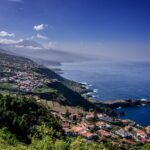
114 104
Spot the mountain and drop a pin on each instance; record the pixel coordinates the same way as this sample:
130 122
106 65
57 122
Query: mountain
26 43
5 51
37 52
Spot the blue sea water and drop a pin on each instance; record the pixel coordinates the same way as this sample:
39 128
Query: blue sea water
115 80
139 114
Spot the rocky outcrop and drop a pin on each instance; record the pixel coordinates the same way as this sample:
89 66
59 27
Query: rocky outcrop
124 103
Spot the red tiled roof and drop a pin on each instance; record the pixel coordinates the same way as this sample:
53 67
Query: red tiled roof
148 128
77 129
128 141
140 132
100 123
103 133
86 134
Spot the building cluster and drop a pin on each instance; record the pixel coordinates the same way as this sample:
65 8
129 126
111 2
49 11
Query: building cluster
102 127
24 81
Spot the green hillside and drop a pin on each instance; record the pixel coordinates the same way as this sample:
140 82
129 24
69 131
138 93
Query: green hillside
24 124
52 87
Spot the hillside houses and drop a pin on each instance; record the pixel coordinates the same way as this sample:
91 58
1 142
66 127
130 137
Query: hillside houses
25 81
121 132
103 125
91 129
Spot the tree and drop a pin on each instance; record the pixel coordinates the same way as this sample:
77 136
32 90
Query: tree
81 144
61 145
146 147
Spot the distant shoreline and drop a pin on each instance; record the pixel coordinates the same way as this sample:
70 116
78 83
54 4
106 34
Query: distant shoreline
126 103
115 103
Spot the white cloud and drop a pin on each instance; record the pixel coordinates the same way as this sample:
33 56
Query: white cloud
16 1
15 43
41 37
28 47
8 41
4 34
40 27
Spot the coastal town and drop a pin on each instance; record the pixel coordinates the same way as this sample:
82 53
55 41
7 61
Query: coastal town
90 125
74 74
102 128
19 76
24 81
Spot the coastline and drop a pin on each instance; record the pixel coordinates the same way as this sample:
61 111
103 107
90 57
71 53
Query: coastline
113 103
124 103
120 106
90 93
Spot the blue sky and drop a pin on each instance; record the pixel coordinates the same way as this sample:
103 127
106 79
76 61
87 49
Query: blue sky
78 23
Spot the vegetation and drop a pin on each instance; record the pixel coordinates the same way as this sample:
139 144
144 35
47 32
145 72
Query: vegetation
44 90
7 86
21 116
28 125
8 141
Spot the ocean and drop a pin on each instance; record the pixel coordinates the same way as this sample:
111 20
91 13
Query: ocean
115 80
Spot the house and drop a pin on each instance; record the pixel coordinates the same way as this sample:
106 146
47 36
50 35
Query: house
103 125
128 128
87 125
104 117
103 133
123 133
147 129
88 135
90 116
115 143
124 140
140 133
4 80
128 122
78 129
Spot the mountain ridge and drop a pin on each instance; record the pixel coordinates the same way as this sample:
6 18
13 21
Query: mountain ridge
37 52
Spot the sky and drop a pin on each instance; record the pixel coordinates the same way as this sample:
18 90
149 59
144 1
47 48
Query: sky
111 28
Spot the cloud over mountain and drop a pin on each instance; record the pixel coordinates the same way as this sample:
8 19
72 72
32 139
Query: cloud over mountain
4 34
6 41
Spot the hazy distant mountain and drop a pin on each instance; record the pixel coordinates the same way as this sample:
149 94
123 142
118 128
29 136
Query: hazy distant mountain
5 51
26 43
37 52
